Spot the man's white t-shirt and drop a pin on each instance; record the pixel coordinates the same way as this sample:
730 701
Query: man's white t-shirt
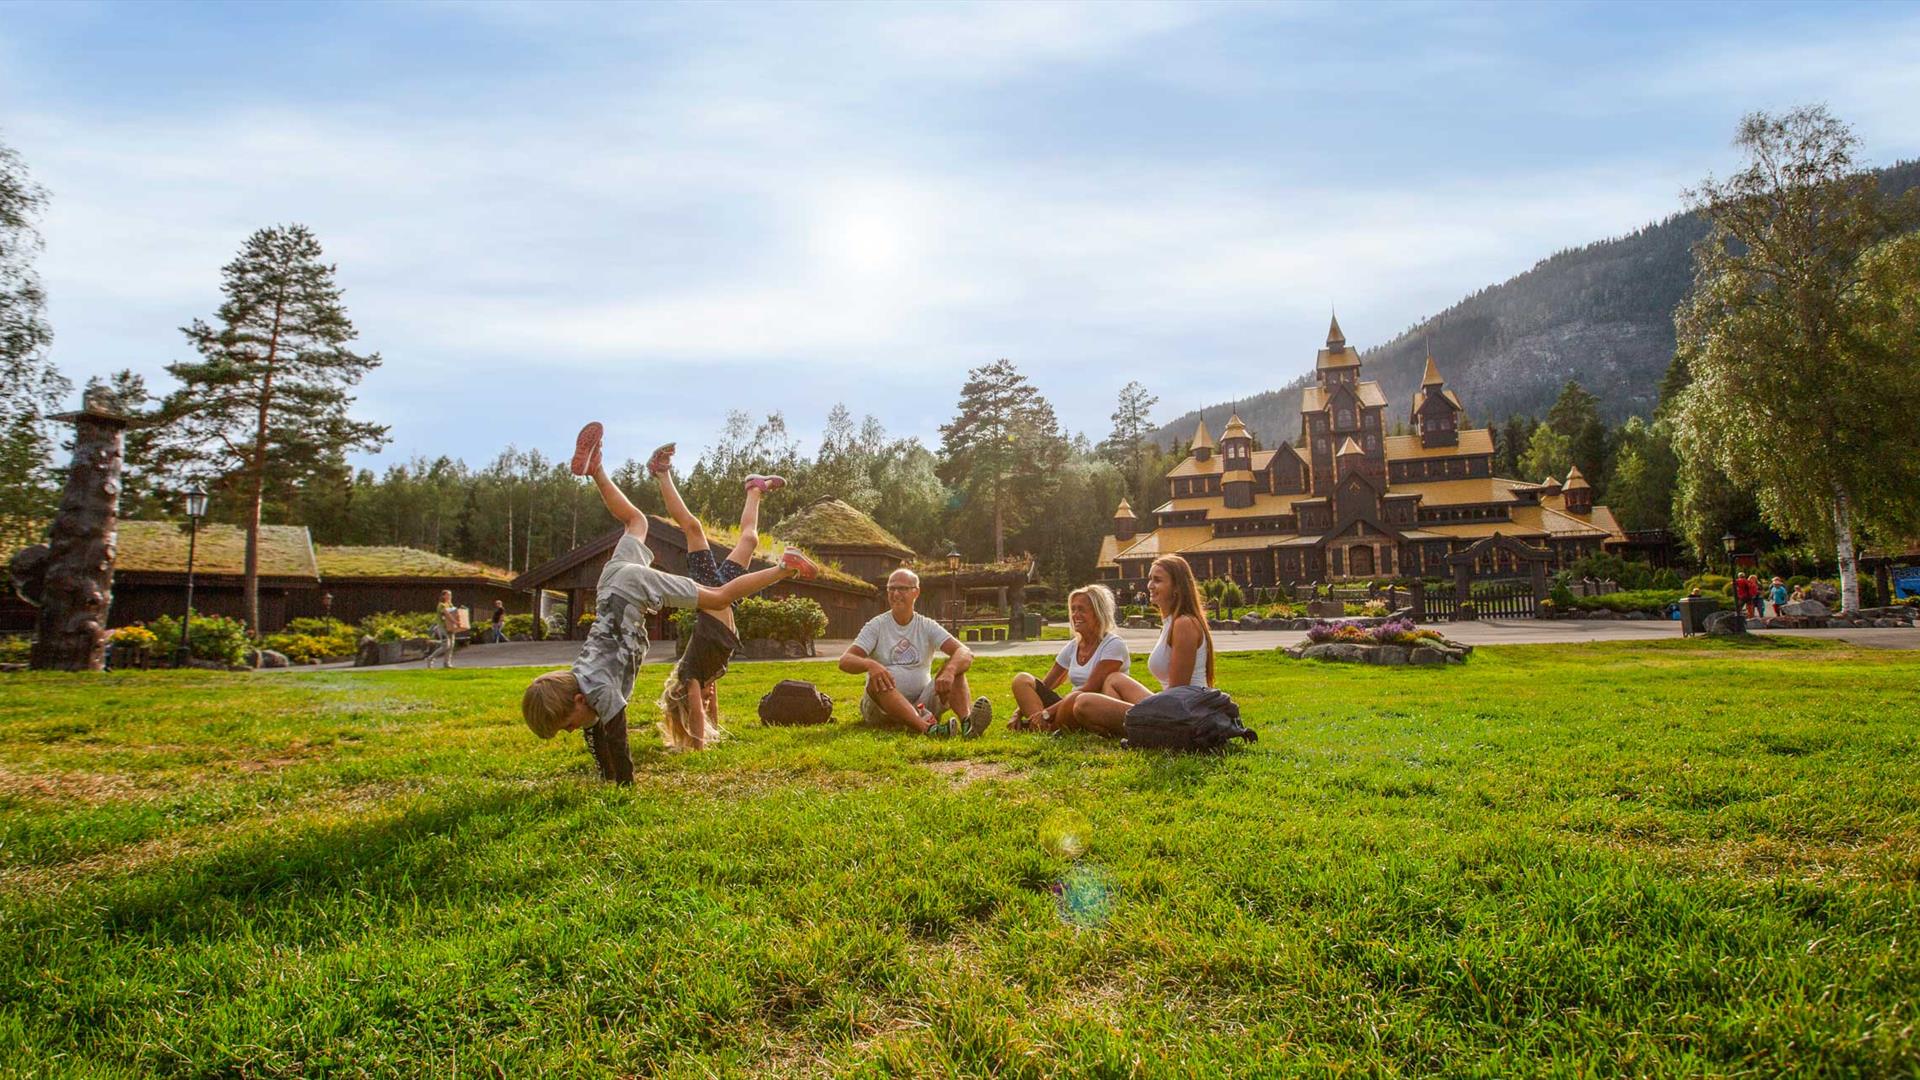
1111 647
907 651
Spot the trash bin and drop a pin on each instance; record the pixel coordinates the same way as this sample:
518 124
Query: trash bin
1693 614
1032 626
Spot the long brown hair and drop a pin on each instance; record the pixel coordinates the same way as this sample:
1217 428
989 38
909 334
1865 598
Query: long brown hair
1187 601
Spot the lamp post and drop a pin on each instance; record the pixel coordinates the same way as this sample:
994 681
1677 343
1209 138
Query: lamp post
196 509
1730 541
953 586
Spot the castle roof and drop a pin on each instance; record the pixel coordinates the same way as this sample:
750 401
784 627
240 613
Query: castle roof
1314 398
1336 354
1350 447
1200 436
1471 441
1576 482
1123 510
1432 377
1235 429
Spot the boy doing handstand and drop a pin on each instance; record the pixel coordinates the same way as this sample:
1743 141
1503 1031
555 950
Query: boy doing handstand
689 703
592 695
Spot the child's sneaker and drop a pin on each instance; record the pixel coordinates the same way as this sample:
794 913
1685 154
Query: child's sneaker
764 484
661 461
585 446
803 567
978 718
945 729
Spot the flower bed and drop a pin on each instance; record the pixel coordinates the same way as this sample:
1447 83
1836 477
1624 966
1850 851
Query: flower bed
1392 643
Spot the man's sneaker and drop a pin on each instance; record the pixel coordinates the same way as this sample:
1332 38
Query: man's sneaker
757 482
802 567
661 460
978 717
945 729
585 446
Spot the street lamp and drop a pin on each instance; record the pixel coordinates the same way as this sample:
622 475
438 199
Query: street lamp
196 509
1730 541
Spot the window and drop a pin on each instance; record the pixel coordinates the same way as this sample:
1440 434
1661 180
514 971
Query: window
1346 418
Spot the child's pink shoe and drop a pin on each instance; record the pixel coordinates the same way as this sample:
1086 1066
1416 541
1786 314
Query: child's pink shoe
763 484
585 446
661 461
802 567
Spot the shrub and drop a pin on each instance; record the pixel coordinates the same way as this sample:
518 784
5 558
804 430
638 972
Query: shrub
213 637
398 626
586 621
303 648
134 637
518 626
330 637
795 618
15 649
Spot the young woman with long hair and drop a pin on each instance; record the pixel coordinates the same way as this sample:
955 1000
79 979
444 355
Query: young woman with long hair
1183 655
1094 655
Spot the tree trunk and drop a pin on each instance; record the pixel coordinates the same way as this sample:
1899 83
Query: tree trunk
1849 558
250 592
78 587
999 535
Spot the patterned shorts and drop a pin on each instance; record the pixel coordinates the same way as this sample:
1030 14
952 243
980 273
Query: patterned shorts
710 571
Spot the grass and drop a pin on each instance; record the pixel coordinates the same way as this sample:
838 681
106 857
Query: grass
1647 858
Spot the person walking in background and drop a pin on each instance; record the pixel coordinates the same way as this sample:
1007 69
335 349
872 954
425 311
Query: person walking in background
1779 595
444 631
1744 590
499 622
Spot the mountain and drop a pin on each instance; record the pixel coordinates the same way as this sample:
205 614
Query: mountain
1602 314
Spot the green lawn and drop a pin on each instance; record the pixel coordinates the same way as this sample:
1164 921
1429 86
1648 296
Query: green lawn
1664 858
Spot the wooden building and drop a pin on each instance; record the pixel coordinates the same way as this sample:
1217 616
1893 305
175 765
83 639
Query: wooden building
297 578
839 533
1349 501
848 601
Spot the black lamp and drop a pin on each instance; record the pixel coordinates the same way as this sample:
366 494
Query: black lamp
196 509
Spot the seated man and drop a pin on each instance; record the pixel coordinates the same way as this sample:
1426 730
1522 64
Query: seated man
895 652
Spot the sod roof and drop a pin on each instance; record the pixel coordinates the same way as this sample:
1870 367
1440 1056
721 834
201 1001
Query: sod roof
286 551
400 562
828 525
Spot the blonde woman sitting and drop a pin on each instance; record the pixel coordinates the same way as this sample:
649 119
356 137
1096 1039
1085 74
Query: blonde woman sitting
1094 655
1182 657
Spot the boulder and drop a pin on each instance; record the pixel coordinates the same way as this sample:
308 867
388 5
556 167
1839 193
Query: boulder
1888 623
1806 609
1343 652
1426 654
1294 651
1822 593
1250 622
1726 624
1388 655
1301 624
269 658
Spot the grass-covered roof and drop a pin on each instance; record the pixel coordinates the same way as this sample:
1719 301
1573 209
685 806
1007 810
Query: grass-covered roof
161 547
400 562
828 525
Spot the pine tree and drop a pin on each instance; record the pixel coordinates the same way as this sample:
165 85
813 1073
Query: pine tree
31 388
1002 448
265 406
1129 444
1791 393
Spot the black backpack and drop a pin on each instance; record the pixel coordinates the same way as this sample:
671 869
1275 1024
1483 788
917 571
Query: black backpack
1185 718
795 702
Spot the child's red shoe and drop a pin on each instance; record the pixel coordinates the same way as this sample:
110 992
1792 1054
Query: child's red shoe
585 446
803 567
661 461
760 483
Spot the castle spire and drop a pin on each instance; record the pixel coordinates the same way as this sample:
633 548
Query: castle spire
1335 339
1432 377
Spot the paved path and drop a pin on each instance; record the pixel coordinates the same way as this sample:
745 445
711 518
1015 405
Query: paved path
1486 632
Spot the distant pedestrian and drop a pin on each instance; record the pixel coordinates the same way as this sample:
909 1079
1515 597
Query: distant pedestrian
499 622
445 616
1744 591
1779 595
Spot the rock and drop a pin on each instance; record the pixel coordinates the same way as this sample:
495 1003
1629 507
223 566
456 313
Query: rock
1806 609
368 654
1301 624
1726 624
271 659
1426 654
1605 614
1822 593
1294 651
1637 616
1343 652
1388 655
1888 623
1756 624
1250 622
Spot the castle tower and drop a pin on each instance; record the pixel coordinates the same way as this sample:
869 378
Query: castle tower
1351 460
1436 411
1202 443
1578 493
1236 459
1125 525
1336 363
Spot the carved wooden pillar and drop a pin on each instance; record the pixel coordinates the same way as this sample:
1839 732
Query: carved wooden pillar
79 567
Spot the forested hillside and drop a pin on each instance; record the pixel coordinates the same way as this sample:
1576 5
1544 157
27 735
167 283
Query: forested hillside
1601 314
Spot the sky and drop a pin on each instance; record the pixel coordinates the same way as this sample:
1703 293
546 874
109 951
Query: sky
544 213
